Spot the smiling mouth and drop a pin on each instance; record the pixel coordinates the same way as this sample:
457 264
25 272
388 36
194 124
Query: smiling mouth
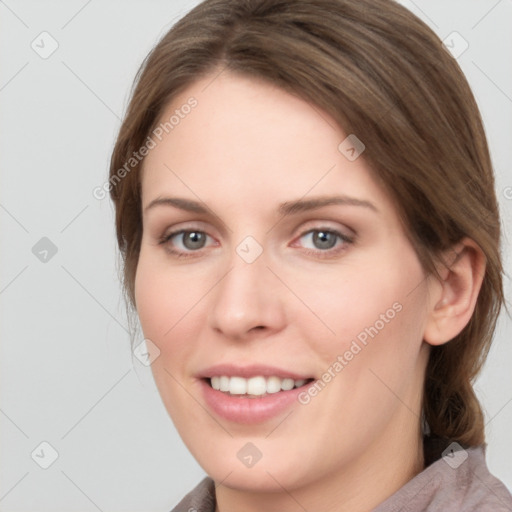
254 387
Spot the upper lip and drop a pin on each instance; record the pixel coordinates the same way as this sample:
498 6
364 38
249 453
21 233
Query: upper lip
248 371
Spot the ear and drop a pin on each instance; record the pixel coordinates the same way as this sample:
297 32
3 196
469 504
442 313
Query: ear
454 296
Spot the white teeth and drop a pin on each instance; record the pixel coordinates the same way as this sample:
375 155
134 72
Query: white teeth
238 386
224 383
287 384
255 386
273 384
215 382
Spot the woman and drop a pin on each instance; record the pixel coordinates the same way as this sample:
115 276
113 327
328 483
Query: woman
305 208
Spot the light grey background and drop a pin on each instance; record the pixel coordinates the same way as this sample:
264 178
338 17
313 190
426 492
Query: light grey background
67 374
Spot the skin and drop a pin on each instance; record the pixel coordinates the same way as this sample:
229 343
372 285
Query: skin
245 149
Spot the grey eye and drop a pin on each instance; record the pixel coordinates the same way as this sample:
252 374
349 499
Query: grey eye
324 239
320 239
193 240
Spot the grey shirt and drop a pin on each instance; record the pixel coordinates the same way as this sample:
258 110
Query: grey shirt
457 481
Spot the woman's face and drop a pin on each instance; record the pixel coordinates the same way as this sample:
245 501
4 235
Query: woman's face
288 263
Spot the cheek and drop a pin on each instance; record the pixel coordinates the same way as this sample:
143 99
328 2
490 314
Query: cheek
166 303
369 300
163 298
375 354
169 306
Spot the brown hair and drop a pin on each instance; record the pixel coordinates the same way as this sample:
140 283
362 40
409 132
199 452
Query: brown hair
384 76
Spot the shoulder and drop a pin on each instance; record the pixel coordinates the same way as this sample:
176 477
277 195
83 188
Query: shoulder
483 491
199 499
457 481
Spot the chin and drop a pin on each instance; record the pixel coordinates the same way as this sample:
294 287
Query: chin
262 479
270 473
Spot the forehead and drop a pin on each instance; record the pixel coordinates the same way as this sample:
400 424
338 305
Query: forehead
246 140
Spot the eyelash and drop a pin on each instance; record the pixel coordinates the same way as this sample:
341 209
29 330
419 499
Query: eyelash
165 239
318 252
333 251
328 253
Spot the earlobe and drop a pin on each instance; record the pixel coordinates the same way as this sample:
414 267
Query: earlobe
456 292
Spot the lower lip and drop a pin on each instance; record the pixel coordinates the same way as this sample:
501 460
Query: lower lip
249 410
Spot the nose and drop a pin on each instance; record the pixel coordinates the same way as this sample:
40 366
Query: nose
248 301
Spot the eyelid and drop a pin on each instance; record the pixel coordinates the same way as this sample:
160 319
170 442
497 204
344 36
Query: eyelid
203 227
172 250
326 225
346 238
334 252
314 226
178 231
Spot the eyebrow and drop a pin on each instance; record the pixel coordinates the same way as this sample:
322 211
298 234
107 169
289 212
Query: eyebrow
302 205
286 208
183 204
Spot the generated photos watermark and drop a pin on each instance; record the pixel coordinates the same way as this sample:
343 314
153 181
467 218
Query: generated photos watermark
343 360
150 143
